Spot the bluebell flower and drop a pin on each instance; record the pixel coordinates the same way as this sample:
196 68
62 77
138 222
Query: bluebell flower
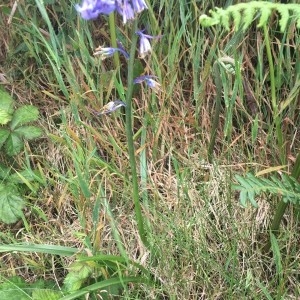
110 107
145 46
139 5
91 9
105 52
149 81
125 9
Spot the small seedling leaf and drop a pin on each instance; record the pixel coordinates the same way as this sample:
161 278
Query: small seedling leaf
29 132
23 115
11 204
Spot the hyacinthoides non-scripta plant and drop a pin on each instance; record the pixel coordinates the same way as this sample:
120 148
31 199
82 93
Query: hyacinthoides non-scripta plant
128 10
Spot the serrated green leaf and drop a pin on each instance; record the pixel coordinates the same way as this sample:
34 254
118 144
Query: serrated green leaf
79 273
46 294
4 171
29 132
11 204
5 117
12 291
14 144
23 115
4 134
28 175
6 107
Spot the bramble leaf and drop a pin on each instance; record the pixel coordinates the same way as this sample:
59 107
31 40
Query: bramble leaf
79 273
14 144
4 134
23 115
29 132
6 107
11 204
46 294
4 171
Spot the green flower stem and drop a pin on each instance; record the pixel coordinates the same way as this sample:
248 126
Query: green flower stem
218 82
277 118
113 36
129 135
282 206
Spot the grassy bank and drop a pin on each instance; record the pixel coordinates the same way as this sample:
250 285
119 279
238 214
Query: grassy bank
204 244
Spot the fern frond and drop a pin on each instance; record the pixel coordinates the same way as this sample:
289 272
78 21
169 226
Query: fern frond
243 14
250 186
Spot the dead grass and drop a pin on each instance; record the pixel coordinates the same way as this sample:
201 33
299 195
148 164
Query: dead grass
206 245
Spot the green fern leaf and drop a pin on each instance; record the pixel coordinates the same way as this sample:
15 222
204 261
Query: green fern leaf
243 14
237 18
285 16
224 17
251 186
264 16
248 16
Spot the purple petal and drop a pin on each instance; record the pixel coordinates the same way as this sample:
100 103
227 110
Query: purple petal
90 9
139 5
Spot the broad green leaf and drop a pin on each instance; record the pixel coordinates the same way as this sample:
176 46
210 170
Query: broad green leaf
105 284
79 273
11 204
5 117
28 175
4 134
6 107
29 132
12 289
14 144
4 171
23 115
46 294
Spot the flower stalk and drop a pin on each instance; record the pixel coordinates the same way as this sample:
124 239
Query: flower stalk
113 38
129 135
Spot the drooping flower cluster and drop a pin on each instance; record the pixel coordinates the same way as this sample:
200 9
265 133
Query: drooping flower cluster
105 52
148 79
145 46
110 107
91 9
128 9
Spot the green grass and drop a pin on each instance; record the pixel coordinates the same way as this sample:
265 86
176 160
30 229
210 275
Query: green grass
204 244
